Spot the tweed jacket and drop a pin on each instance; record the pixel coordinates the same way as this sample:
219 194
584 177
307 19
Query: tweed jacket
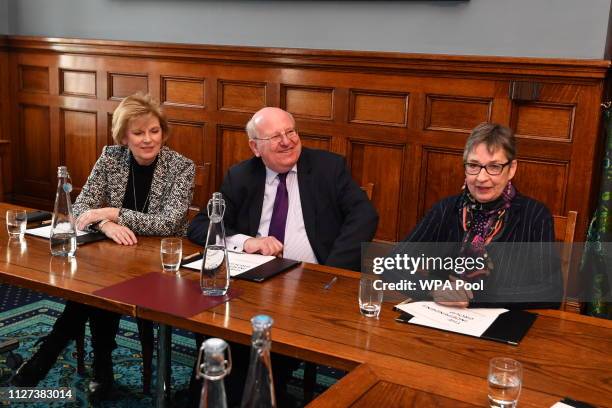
169 199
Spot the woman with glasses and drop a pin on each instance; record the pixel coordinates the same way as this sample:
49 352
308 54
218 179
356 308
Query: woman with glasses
492 221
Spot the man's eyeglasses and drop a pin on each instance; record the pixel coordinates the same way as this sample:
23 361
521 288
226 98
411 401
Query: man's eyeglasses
291 134
494 169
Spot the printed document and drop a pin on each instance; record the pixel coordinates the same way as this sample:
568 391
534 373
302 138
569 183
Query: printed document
45 232
239 262
473 322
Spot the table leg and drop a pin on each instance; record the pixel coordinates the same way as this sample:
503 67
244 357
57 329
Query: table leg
164 373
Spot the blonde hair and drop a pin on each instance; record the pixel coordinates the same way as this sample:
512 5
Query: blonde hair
133 106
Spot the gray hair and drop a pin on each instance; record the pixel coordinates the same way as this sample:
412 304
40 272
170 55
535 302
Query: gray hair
251 127
494 136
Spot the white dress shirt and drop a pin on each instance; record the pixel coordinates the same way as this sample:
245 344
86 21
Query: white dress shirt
296 245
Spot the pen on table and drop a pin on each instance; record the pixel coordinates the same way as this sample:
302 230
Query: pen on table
330 283
188 257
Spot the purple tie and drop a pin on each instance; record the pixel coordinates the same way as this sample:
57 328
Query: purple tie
279 212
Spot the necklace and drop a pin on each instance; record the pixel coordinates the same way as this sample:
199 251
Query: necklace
134 191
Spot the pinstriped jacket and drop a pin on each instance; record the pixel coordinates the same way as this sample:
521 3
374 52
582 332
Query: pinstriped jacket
170 196
516 282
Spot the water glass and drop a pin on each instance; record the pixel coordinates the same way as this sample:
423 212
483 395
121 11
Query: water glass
171 253
370 298
16 223
505 379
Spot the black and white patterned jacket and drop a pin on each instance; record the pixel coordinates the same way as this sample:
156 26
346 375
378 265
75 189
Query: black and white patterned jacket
169 199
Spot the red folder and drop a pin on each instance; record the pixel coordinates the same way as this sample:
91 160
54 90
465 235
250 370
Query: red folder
165 293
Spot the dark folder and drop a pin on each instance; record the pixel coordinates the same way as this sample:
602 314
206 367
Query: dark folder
509 327
91 237
260 273
268 270
37 217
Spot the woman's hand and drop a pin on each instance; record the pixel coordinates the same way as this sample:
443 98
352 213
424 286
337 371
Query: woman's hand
96 215
118 233
453 297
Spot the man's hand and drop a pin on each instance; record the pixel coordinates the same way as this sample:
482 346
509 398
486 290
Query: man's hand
98 214
118 233
264 246
452 297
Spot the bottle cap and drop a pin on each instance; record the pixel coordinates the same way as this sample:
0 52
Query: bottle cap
262 322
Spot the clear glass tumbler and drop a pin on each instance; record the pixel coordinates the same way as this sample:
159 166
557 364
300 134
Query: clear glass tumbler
16 223
505 379
370 298
171 251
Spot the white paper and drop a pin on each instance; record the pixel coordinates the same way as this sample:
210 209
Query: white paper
561 405
473 322
45 232
239 262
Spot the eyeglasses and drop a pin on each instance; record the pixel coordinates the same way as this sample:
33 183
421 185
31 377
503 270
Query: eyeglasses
291 134
493 169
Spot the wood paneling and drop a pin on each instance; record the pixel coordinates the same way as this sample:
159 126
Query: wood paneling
400 119
122 85
456 113
545 180
241 96
382 165
539 120
315 141
187 138
185 92
33 79
35 144
442 175
378 108
308 103
77 83
78 136
232 147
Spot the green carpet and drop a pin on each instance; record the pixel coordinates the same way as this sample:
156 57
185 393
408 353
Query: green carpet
30 322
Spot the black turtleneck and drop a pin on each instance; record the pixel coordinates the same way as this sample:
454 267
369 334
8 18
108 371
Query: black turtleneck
139 185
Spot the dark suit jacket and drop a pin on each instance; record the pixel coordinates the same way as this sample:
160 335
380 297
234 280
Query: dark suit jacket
524 275
337 214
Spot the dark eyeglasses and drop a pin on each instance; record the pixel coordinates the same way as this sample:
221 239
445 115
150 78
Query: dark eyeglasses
291 134
494 169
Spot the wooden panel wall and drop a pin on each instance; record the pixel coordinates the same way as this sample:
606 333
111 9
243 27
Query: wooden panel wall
400 120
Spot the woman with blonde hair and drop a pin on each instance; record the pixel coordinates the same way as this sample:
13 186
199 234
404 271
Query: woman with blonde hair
137 187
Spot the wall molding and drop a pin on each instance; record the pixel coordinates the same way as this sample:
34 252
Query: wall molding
370 61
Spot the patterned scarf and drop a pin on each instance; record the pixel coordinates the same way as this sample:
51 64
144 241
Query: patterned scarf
482 222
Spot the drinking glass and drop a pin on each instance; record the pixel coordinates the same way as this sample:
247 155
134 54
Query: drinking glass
171 251
16 223
370 298
505 379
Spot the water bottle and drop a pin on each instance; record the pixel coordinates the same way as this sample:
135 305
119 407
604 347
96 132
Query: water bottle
259 386
63 230
213 367
215 273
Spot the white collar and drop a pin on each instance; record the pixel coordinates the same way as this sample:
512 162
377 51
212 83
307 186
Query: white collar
271 174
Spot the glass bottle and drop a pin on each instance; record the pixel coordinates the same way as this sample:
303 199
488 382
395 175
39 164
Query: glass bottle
62 237
259 386
213 367
215 272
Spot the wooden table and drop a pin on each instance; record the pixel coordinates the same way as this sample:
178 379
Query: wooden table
393 364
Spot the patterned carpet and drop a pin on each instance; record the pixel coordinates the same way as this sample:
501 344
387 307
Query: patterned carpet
28 316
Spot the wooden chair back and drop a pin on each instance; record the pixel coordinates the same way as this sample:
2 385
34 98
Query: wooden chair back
565 227
368 188
201 192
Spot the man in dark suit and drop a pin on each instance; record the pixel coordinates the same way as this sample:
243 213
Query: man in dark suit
293 202
327 215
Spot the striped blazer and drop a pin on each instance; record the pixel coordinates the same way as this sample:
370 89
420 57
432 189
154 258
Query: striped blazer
169 199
